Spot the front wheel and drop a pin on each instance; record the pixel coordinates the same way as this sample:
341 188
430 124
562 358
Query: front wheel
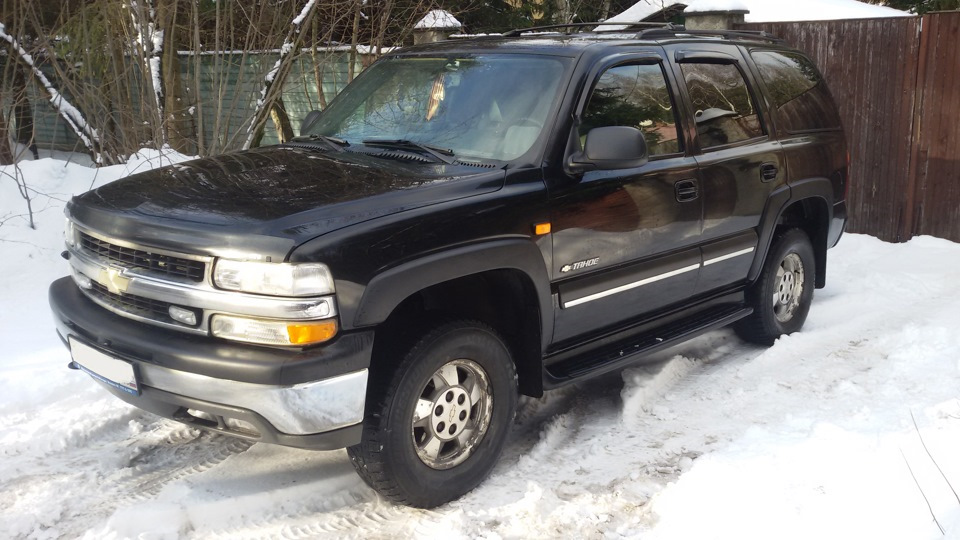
782 295
435 428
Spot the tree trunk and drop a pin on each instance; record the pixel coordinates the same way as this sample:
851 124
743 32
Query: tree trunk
23 114
6 155
274 79
177 122
353 41
564 13
317 69
72 115
281 120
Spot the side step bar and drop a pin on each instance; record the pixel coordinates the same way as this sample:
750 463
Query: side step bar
596 362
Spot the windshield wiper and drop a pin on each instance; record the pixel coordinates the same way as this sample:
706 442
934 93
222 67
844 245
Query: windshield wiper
441 154
333 143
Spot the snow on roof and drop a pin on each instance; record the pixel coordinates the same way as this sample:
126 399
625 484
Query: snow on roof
438 18
638 12
764 10
715 5
815 10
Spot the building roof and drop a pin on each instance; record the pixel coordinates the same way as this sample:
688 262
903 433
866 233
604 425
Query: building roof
762 10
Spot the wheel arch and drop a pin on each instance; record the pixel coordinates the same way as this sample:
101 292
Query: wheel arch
807 205
502 283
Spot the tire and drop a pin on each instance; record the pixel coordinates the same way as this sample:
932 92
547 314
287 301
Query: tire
782 295
435 427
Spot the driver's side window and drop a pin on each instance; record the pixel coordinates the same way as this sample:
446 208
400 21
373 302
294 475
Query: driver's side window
634 95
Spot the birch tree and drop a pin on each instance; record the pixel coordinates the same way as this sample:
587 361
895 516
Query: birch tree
64 108
273 80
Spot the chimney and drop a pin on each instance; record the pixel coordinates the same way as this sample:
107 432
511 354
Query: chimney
436 25
714 15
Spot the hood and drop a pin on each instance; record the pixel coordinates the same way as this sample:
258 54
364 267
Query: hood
261 203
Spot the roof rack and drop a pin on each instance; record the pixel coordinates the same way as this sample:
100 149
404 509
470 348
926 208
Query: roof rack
678 31
650 25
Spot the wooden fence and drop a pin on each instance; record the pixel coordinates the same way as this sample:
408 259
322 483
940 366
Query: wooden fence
897 85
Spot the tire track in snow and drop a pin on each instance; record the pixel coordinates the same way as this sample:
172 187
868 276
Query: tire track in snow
353 513
180 452
191 451
83 431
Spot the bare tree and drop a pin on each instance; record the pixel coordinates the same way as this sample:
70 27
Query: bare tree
202 77
71 114
273 80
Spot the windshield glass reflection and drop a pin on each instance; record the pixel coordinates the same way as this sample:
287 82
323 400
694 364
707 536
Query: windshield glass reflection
487 107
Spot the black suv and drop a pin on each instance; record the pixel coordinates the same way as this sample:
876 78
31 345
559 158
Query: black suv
466 222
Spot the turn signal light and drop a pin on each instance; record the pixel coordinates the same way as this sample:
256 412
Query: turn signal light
302 334
273 331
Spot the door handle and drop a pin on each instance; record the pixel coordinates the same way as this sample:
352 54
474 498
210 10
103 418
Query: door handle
768 172
686 190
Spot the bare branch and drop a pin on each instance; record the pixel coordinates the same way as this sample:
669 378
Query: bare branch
929 507
935 464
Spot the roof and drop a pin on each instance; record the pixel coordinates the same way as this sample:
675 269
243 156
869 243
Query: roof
763 10
811 10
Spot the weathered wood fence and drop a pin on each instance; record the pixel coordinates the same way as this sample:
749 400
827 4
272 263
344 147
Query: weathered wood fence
897 85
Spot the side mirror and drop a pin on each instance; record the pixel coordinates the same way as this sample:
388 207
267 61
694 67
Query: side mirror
309 121
610 147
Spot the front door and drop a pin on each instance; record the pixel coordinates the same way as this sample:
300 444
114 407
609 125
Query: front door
625 241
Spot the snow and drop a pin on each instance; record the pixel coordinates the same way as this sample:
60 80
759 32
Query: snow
763 10
437 18
715 5
298 20
361 49
155 74
808 10
156 37
813 437
637 12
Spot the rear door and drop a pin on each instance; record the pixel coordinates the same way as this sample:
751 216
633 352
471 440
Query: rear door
740 162
625 241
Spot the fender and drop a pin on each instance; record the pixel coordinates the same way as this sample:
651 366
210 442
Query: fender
780 200
387 290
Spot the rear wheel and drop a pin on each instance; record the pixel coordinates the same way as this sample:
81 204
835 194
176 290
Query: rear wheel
782 295
435 428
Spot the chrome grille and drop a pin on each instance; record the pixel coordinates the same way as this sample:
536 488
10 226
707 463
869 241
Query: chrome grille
146 308
164 265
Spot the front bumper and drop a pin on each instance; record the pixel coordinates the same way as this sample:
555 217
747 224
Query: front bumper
310 398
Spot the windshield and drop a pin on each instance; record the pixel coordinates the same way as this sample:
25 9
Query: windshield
487 107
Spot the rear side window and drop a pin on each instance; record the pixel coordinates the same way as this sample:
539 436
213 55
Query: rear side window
634 95
800 98
725 112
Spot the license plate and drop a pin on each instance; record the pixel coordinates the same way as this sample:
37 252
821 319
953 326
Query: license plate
117 373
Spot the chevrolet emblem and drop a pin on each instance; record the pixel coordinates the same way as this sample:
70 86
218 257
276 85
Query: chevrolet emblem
113 281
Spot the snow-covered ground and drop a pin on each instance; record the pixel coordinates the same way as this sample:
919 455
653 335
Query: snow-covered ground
818 436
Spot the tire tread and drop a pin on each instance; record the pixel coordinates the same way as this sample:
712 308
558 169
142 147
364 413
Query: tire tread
367 457
758 328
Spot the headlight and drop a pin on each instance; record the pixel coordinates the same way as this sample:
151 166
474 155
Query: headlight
272 331
276 279
69 233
